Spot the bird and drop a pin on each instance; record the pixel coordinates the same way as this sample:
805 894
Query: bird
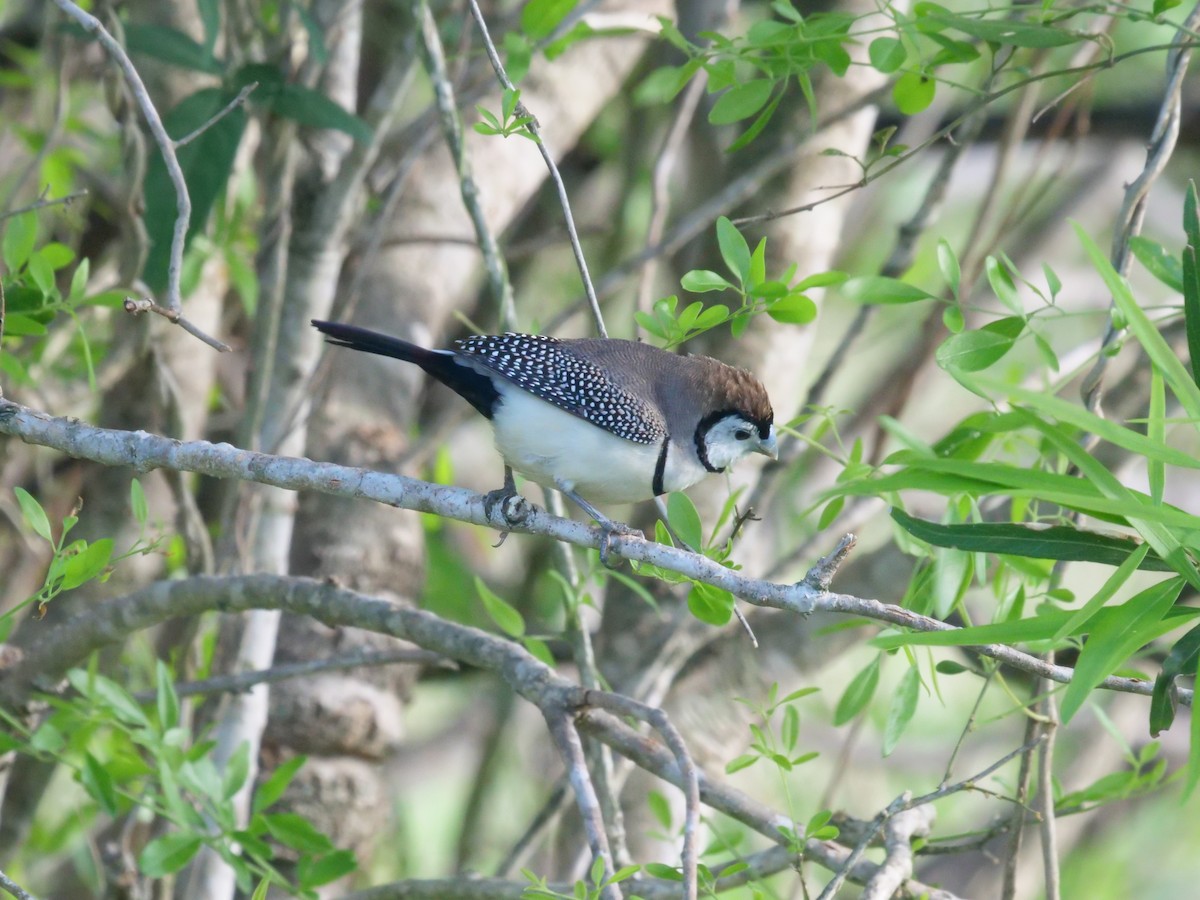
602 420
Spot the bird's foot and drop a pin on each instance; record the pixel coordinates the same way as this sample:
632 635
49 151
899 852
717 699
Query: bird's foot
609 527
505 508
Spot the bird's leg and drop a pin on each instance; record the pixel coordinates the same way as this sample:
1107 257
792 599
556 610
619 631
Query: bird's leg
512 506
607 525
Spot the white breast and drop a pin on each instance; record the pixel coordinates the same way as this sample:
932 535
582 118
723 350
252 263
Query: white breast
547 444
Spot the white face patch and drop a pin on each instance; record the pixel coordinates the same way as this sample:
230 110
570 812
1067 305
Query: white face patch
729 439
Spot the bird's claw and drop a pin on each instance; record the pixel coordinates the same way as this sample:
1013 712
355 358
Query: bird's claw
505 509
610 528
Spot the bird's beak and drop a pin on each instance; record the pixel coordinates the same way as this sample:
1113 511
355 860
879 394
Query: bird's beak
769 447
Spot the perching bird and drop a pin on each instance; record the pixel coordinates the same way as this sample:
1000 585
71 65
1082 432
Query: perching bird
601 420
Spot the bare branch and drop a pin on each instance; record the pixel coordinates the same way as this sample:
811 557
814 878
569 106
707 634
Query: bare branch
15 889
137 307
65 200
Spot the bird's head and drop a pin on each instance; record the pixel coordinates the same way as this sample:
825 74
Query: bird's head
740 421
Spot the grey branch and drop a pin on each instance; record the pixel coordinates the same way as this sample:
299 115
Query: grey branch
143 452
243 681
15 889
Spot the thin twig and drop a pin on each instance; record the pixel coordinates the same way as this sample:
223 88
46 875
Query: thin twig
226 110
137 307
564 201
1016 825
243 681
65 200
13 888
434 58
1045 802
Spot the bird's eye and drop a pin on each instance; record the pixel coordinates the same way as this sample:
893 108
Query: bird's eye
742 435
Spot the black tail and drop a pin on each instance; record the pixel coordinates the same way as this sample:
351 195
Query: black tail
473 386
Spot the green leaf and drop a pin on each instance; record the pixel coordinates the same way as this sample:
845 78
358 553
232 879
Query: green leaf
137 502
168 854
99 784
971 351
831 511
734 249
33 514
19 236
1005 31
756 127
1182 660
858 693
237 770
948 263
165 698
316 110
539 18
538 649
1060 542
1157 261
1115 638
500 610
741 102
1080 617
1190 277
83 567
170 46
793 309
1144 330
109 694
745 761
1002 285
314 872
887 54
701 281
272 789
297 832
664 83
685 520
710 604
900 713
883 290
206 163
913 92
660 808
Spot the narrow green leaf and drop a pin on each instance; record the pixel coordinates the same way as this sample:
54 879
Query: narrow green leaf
503 613
734 249
237 770
904 706
700 281
1156 433
165 699
1002 285
741 102
170 46
269 792
948 263
1158 262
313 872
91 563
168 854
883 290
972 351
1060 542
137 502
99 784
540 17
710 604
20 234
1156 347
539 649
793 309
33 514
1190 277
660 808
1181 661
1080 617
1115 638
858 693
316 110
745 761
1005 31
297 832
685 520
